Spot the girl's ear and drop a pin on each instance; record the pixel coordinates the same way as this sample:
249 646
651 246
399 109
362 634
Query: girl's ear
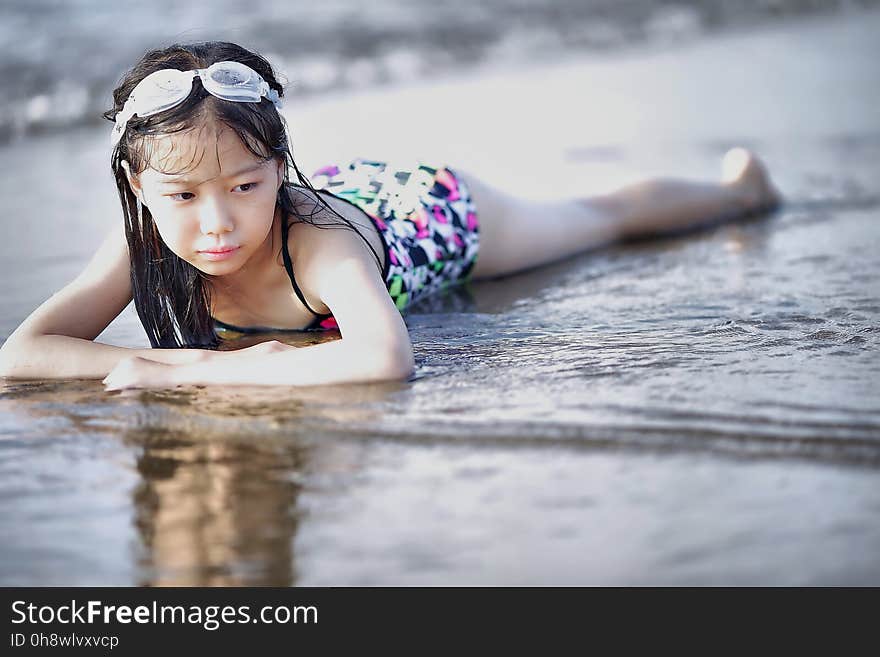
281 164
133 181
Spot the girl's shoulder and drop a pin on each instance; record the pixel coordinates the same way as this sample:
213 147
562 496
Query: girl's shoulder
321 240
310 237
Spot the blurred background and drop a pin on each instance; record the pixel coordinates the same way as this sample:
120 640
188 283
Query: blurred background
60 59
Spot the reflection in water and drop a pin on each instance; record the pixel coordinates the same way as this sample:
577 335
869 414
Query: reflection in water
219 472
217 501
216 513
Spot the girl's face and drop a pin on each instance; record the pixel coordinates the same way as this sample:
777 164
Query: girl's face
220 211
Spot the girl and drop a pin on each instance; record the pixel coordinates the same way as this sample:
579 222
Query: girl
216 238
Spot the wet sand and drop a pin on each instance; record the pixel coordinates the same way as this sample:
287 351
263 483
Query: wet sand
696 410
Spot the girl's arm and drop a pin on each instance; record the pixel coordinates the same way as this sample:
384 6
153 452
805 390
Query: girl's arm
341 272
340 361
56 340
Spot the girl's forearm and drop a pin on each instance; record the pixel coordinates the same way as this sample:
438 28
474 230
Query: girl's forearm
339 361
64 357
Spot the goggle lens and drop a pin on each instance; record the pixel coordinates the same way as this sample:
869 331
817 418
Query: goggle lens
228 77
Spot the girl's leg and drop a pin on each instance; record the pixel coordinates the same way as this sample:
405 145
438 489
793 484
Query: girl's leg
517 234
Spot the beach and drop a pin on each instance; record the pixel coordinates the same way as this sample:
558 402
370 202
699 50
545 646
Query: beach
690 411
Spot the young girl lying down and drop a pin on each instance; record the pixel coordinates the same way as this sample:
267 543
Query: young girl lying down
215 237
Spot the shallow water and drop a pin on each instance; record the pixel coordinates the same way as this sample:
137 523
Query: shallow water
696 410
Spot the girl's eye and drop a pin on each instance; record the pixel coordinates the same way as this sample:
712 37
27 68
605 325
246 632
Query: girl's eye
187 196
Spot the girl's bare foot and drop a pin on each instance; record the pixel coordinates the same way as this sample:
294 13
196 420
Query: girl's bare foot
744 171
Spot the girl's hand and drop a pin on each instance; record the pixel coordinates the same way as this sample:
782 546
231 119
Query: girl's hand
139 372
267 347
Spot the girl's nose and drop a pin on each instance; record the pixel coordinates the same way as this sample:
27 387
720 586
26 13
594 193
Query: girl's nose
214 218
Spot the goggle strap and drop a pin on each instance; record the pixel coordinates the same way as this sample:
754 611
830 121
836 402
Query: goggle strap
271 94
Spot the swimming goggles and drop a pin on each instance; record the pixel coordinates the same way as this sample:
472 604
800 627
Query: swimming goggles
162 90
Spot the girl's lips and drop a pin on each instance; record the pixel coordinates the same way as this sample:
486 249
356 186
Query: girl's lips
220 254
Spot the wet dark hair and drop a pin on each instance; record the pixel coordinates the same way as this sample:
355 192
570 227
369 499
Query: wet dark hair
172 297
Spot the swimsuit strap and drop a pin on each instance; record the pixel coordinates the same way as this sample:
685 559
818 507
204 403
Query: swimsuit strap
288 265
